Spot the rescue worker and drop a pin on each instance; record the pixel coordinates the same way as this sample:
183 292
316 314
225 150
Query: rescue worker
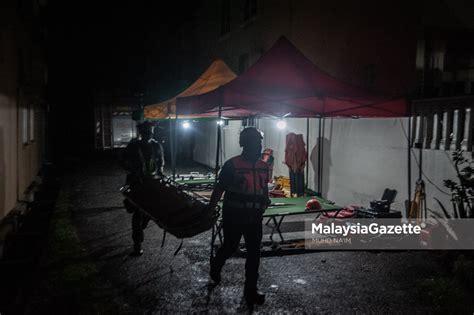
143 157
244 180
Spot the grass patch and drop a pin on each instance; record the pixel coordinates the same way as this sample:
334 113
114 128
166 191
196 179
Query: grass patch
452 291
70 280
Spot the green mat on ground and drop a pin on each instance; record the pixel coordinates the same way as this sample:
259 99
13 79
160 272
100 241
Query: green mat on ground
195 181
281 206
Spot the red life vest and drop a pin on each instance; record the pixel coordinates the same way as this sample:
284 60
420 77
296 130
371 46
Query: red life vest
249 182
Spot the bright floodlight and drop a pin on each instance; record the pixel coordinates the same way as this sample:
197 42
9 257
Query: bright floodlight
281 124
186 125
220 122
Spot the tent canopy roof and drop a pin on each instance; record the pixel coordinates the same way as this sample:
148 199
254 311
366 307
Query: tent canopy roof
284 82
217 74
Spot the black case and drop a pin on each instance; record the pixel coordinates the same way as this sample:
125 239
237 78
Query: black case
371 213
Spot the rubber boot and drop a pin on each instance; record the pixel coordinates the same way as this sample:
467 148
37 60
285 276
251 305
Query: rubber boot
215 271
137 250
253 297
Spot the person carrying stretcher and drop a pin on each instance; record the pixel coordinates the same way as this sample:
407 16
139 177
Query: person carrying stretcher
244 181
142 158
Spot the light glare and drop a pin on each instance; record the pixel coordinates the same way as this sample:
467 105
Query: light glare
281 124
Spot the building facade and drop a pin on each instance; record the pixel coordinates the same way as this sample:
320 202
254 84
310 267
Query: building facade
23 107
364 43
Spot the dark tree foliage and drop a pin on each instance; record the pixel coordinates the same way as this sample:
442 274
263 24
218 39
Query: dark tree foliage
462 190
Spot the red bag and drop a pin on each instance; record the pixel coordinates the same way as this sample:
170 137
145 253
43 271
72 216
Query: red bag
345 213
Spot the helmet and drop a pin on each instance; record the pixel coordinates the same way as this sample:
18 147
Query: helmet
145 129
250 135
267 156
313 204
145 126
268 151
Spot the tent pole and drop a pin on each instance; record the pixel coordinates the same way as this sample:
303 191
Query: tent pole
171 140
221 100
322 153
409 162
319 157
175 139
216 170
420 146
307 154
420 182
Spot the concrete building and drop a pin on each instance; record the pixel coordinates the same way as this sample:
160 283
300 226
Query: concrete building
364 43
23 109
420 50
113 123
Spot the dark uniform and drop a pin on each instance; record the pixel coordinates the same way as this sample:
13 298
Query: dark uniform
143 157
244 179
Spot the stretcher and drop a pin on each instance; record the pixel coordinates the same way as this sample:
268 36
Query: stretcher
176 210
197 184
195 181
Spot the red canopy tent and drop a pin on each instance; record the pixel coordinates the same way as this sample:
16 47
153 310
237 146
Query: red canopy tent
284 82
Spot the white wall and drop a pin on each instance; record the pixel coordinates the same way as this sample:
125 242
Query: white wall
361 157
205 141
276 139
230 140
368 155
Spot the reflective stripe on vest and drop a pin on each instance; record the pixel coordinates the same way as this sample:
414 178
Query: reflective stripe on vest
250 179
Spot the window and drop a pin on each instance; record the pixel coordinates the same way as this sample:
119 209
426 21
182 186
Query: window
459 88
225 17
24 125
243 62
31 124
250 10
369 76
3 45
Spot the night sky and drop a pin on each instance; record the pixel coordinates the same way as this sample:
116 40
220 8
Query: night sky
95 47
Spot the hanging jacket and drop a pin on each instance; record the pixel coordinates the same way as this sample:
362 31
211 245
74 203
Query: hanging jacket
295 152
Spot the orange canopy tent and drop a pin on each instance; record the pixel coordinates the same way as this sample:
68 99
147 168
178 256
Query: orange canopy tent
216 75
